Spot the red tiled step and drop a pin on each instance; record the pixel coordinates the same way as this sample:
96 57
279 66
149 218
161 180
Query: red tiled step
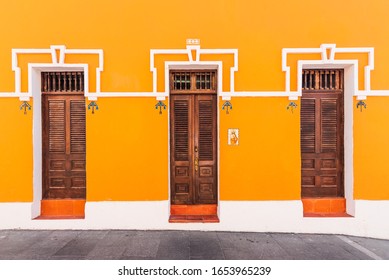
200 209
327 215
193 219
60 218
324 205
62 209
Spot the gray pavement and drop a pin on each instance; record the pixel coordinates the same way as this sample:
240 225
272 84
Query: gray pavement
185 245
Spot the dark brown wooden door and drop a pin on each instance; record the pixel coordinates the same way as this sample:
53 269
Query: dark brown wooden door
64 145
193 151
322 135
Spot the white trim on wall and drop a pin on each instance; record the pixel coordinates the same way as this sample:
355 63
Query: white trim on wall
328 54
371 218
58 62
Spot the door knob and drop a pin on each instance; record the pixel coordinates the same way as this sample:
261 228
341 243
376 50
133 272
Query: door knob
196 163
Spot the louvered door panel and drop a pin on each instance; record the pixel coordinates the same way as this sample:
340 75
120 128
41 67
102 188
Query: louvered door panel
76 157
181 149
64 146
57 118
77 126
308 125
206 137
181 126
205 140
329 125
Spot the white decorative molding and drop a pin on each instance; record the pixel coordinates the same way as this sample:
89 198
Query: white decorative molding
328 60
193 51
58 53
193 45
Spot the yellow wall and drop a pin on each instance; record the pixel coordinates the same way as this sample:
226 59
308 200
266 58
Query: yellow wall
127 151
265 164
371 153
127 140
15 152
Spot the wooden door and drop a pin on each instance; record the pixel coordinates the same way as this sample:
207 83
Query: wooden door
64 139
193 153
322 134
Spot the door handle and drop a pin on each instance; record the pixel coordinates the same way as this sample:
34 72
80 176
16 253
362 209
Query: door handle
196 163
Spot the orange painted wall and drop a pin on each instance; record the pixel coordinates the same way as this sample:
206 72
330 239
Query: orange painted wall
127 140
15 152
371 154
266 163
127 151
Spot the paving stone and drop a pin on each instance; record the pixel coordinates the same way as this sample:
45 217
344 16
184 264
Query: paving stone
206 249
141 246
173 246
77 247
330 247
92 234
111 245
380 247
251 246
68 257
16 244
49 245
296 248
106 252
173 253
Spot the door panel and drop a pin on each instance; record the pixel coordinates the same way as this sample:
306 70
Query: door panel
193 149
205 140
181 152
64 146
322 144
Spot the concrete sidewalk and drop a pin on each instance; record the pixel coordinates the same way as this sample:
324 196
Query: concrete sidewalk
194 245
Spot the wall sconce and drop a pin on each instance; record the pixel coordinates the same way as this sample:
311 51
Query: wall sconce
292 105
160 105
361 104
94 106
227 105
25 106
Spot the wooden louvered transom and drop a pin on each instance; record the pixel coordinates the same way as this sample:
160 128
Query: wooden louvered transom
62 82
322 134
200 81
322 80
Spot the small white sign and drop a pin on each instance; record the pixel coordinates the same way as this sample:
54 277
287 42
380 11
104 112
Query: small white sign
193 41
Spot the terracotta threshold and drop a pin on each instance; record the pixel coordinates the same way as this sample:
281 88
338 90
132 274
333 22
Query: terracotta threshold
203 213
